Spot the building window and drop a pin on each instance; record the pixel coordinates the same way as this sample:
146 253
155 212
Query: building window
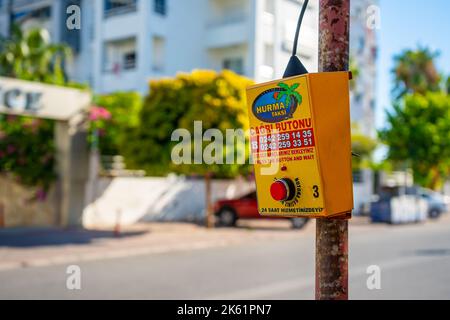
117 7
38 18
235 64
158 50
361 45
129 62
120 55
160 7
373 104
29 19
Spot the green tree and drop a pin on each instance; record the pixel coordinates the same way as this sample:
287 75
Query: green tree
216 99
113 117
354 69
415 72
419 135
27 149
30 56
363 148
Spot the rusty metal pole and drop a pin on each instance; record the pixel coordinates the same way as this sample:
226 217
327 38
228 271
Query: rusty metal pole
332 234
208 207
2 216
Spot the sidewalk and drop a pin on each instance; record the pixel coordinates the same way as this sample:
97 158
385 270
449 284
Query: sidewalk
21 248
42 247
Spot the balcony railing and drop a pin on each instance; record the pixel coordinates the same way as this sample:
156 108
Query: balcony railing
227 20
24 3
129 7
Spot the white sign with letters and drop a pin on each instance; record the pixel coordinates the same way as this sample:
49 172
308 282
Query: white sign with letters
40 100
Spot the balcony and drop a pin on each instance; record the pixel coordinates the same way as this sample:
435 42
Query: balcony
227 31
120 56
119 7
29 4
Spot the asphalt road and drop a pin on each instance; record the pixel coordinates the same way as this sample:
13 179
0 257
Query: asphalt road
414 262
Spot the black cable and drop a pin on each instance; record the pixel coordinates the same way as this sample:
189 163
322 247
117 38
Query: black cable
295 67
299 24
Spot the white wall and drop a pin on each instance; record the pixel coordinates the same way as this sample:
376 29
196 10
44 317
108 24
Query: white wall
363 191
155 199
184 28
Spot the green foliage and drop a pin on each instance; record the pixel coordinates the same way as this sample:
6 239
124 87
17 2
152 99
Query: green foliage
363 146
27 149
31 56
216 99
419 134
383 165
415 72
354 69
112 120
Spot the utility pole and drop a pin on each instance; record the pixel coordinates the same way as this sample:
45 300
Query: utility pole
332 234
208 207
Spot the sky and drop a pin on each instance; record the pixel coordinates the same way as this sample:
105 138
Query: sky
406 24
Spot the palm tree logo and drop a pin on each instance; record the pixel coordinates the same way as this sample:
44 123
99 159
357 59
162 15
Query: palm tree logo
288 92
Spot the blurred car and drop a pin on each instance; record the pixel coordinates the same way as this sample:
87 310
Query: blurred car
436 202
398 205
382 209
228 212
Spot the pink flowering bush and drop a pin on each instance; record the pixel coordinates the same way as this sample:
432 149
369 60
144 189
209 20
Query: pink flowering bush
99 113
111 119
27 151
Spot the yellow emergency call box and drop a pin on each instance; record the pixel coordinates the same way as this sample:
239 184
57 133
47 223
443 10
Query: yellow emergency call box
300 144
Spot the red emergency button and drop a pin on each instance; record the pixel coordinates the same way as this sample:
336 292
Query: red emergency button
282 190
279 191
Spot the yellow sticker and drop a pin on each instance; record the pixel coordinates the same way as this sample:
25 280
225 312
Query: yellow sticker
283 147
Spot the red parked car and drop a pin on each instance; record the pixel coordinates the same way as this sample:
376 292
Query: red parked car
229 211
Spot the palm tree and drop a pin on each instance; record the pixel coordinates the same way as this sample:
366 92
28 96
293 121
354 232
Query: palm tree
30 56
289 92
415 72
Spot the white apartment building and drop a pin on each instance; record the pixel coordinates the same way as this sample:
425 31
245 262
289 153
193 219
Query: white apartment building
124 43
364 50
150 39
